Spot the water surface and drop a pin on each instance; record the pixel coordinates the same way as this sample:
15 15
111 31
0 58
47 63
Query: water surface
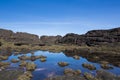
51 68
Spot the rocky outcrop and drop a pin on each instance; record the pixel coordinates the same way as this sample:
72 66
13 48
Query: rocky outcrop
72 38
25 38
91 38
19 38
5 34
49 40
97 37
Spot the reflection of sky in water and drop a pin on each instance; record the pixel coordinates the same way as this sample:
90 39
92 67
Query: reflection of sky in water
51 68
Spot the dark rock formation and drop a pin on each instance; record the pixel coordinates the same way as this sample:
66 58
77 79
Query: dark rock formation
5 34
97 37
91 38
19 38
49 40
72 38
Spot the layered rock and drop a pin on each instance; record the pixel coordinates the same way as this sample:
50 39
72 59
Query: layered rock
19 38
91 38
49 40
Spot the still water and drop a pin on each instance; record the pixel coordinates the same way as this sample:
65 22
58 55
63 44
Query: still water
51 68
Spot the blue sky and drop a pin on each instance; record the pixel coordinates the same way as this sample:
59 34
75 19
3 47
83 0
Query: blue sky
53 17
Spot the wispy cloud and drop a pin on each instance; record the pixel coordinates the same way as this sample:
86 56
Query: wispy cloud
41 22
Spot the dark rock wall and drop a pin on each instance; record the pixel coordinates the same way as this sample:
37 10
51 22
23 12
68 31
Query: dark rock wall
94 37
91 38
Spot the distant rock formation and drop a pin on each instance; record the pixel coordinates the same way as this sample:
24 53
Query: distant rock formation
91 38
49 40
18 37
72 38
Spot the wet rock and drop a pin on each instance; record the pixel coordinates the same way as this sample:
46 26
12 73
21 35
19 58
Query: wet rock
42 59
76 57
15 60
33 58
89 76
117 64
106 66
77 72
63 64
24 57
23 63
69 71
41 56
37 57
89 66
30 66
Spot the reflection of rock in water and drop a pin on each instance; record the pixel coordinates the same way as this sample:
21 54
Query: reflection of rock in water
95 56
